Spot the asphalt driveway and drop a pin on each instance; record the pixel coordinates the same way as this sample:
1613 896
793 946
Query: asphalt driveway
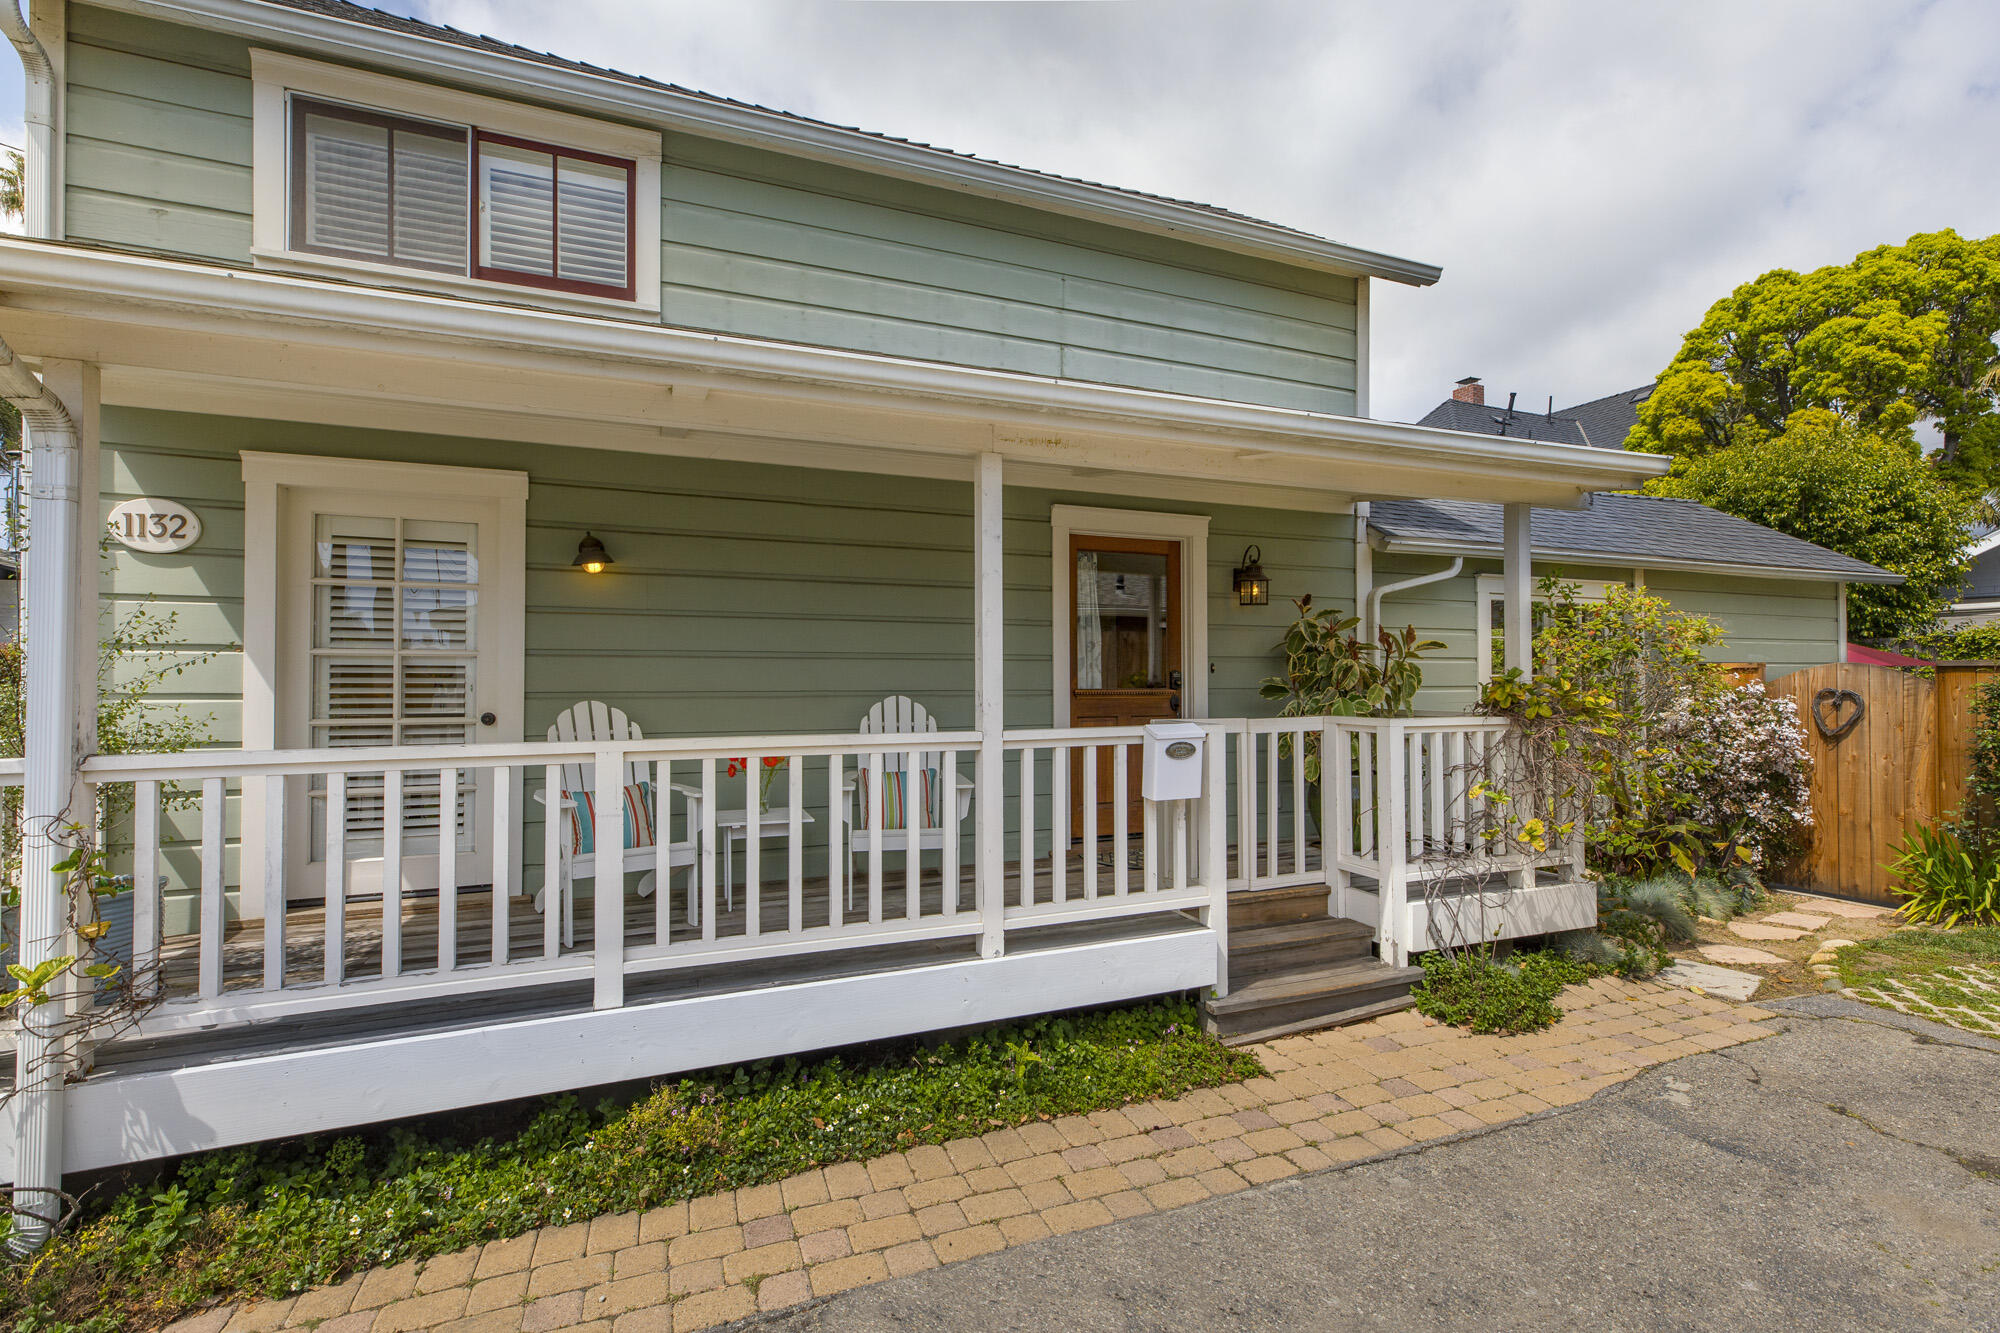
1844 1173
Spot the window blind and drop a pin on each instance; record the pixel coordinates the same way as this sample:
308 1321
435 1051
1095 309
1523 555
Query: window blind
379 188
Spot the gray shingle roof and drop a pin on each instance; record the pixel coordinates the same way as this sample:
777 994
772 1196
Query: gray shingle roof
1602 422
344 9
1488 419
1636 530
1608 420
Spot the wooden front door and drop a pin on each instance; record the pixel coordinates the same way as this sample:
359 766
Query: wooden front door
1125 652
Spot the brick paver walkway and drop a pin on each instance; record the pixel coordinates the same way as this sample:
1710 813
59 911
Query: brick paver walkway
1331 1097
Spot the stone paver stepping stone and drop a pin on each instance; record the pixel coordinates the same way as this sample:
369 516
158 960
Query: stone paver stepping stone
1729 984
1737 953
1854 911
1753 930
1798 919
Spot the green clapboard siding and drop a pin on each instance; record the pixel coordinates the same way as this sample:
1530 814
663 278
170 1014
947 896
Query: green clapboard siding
764 245
1784 623
745 599
157 137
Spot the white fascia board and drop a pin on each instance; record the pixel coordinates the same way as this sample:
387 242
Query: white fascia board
66 275
609 95
1624 559
1984 544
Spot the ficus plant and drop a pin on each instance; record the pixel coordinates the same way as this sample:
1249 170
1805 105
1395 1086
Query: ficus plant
1330 671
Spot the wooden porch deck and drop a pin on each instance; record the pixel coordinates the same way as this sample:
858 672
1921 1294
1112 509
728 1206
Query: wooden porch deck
305 923
133 1055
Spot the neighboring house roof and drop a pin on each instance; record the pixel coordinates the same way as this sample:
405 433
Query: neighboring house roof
1608 420
1286 243
1487 419
1602 423
1861 654
1635 530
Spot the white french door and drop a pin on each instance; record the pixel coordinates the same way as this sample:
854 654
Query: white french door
395 628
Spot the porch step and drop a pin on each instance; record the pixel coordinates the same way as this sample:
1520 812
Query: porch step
1300 999
1256 951
1269 907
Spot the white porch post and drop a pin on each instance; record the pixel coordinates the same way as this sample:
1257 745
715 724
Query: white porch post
1517 577
989 704
53 797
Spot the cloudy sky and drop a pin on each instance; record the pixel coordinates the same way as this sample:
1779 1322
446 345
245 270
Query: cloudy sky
1590 176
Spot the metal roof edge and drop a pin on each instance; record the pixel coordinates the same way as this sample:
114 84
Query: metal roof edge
1382 541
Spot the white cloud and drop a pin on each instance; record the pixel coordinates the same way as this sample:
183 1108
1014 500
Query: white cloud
1590 176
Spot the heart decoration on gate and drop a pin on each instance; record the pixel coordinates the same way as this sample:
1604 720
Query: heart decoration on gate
1828 719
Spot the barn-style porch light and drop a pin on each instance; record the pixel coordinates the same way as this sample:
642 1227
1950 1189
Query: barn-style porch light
1253 586
591 557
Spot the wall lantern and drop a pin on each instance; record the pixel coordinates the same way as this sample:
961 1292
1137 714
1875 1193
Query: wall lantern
591 557
1253 586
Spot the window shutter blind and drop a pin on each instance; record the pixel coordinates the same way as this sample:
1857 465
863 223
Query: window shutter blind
395 656
346 185
431 206
592 218
517 209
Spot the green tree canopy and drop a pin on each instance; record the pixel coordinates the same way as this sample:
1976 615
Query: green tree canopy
1826 480
1903 333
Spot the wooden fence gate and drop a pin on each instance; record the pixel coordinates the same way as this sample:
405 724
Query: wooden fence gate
1889 750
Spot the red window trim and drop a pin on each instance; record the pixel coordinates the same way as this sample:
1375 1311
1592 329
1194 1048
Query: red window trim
551 282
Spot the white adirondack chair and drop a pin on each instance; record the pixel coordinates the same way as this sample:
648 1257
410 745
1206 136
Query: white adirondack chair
897 715
593 720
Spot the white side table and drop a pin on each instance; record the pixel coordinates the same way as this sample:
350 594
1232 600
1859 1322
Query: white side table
733 827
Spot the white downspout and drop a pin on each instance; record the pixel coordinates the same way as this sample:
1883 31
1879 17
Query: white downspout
1364 560
1371 622
38 176
50 579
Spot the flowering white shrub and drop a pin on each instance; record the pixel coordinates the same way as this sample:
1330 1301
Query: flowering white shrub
1735 761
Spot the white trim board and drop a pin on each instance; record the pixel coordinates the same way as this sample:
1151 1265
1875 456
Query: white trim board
1191 531
133 310
114 1118
275 76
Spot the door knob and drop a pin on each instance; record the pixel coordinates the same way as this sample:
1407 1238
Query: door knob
1174 704
487 719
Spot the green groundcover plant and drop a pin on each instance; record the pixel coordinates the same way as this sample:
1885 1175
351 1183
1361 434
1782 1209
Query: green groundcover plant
1472 989
280 1217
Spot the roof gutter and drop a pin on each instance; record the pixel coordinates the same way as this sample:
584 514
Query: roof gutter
608 95
64 274
1622 560
39 195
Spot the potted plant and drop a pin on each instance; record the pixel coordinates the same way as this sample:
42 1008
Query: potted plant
1331 672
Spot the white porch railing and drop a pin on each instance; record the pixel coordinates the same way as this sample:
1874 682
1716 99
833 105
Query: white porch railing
1278 842
1408 802
403 874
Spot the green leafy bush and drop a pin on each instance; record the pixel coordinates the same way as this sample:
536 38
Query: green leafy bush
1946 881
1471 989
279 1217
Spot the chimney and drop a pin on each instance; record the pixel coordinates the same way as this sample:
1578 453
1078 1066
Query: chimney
1470 390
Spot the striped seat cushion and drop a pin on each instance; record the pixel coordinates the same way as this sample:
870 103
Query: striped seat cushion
895 801
638 818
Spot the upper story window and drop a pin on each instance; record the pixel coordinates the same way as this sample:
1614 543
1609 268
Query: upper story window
373 186
456 189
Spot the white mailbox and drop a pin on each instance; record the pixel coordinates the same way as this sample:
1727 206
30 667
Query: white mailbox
1173 758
